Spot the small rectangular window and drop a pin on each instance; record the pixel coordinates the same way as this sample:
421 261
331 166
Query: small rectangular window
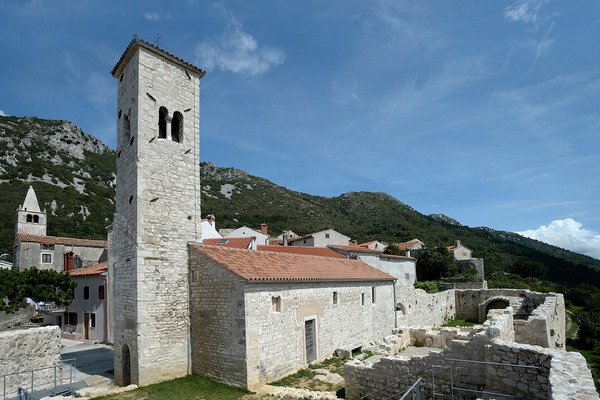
86 292
373 295
362 299
71 318
327 235
92 320
407 276
276 303
101 292
46 258
335 298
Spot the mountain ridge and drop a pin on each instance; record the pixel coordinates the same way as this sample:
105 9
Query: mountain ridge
73 175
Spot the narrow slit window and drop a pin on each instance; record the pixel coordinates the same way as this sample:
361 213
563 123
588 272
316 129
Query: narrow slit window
335 298
276 303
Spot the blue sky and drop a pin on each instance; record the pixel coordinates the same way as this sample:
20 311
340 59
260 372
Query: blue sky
486 111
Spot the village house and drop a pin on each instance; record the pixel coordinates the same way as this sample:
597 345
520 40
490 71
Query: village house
87 316
262 237
411 248
320 239
374 245
400 267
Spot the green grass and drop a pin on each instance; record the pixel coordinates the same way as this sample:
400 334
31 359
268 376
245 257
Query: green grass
453 323
189 387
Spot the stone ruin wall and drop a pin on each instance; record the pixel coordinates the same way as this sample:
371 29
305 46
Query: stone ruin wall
493 362
24 350
416 307
539 318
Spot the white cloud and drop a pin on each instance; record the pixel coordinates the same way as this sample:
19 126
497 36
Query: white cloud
154 16
568 234
525 11
2 113
237 51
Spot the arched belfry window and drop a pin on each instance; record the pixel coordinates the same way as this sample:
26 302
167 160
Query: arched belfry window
36 219
177 127
163 114
29 218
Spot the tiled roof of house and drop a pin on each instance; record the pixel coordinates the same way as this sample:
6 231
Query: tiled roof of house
353 248
137 42
49 240
275 266
407 245
95 269
367 244
314 251
299 238
397 257
238 243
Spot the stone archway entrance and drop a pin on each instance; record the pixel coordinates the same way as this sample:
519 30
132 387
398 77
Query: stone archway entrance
492 304
126 365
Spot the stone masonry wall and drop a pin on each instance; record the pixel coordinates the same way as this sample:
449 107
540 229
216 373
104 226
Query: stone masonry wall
218 324
416 307
276 339
26 349
546 326
486 359
485 362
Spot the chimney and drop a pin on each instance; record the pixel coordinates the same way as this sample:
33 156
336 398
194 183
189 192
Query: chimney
211 219
264 229
285 238
457 243
253 245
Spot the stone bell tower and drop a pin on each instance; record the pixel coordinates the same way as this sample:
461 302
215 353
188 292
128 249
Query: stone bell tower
157 212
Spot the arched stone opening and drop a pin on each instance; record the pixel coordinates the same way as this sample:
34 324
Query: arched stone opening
497 303
400 309
126 365
163 115
177 127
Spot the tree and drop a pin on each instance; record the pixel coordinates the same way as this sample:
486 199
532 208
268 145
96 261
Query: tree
38 285
435 264
394 250
529 269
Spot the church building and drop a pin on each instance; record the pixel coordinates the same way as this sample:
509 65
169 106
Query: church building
239 316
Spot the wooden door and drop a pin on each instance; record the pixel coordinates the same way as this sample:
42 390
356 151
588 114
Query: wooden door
86 325
310 335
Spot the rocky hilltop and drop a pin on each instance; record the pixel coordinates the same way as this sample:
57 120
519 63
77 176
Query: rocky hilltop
73 175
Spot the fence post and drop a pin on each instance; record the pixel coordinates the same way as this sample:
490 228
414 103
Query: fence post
32 372
54 375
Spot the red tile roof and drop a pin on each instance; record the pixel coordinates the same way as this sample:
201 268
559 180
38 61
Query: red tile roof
23 237
314 251
407 245
238 243
95 269
275 266
354 248
367 244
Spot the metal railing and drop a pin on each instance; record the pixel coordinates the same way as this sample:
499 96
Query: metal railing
38 378
401 392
